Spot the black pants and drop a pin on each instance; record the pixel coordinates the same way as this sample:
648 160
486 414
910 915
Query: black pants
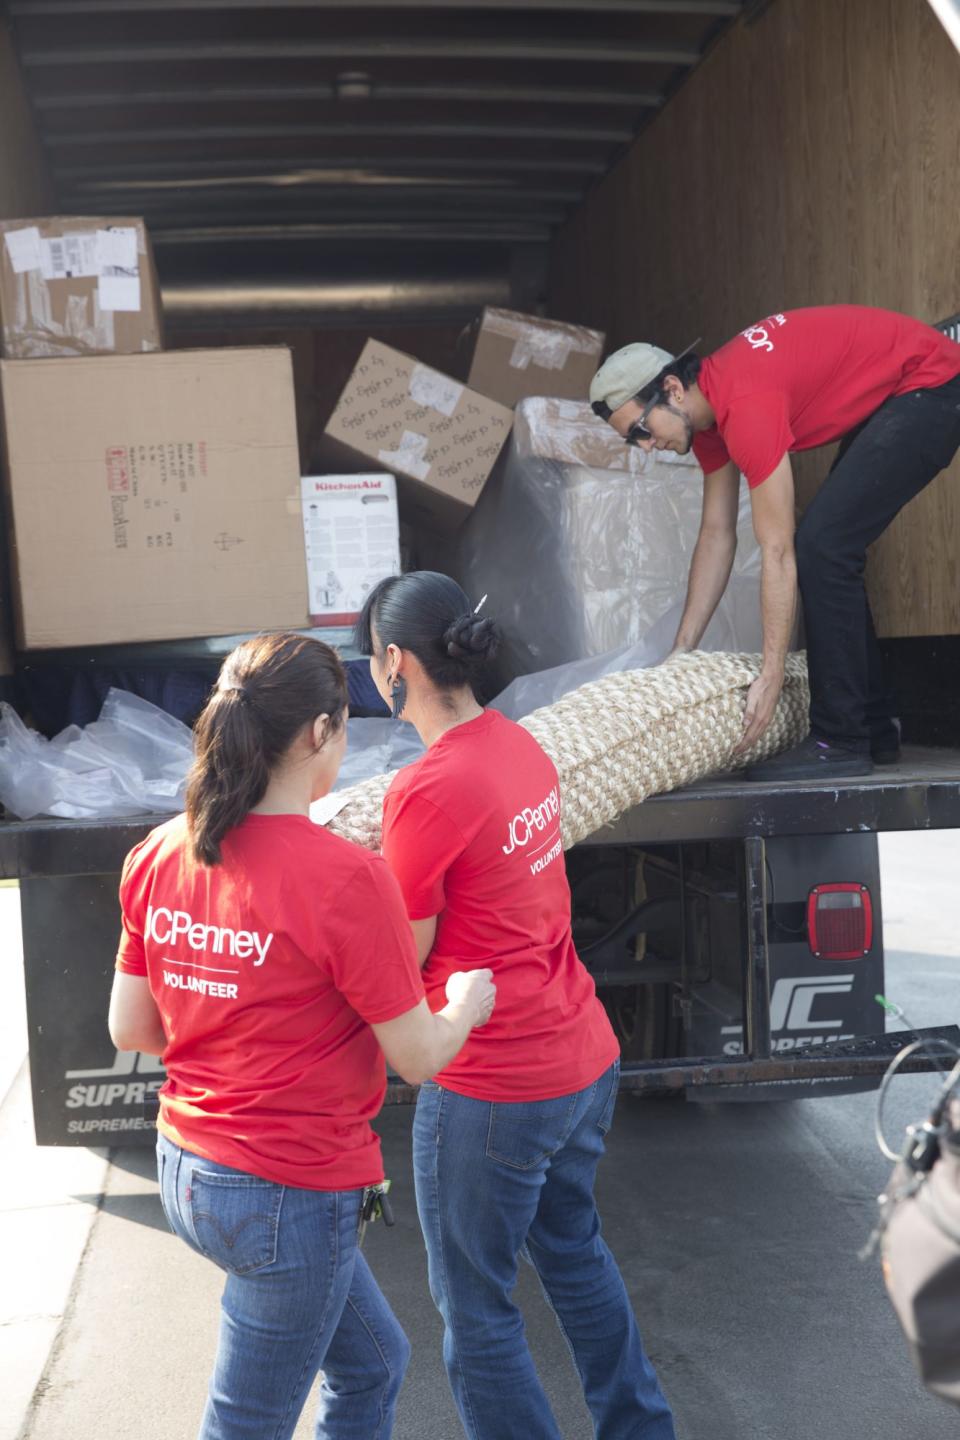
881 466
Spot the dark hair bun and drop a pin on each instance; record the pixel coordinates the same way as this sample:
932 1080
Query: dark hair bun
470 638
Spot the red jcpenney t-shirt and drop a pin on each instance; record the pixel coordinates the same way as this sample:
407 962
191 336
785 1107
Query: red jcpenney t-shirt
268 970
806 377
472 833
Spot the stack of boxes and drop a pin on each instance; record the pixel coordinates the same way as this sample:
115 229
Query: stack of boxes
150 495
155 495
441 438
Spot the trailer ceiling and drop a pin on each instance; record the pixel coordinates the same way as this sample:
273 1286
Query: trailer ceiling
404 145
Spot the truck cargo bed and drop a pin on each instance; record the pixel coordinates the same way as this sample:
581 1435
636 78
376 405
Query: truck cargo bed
921 792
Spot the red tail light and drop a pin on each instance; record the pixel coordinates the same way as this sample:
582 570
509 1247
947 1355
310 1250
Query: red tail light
840 921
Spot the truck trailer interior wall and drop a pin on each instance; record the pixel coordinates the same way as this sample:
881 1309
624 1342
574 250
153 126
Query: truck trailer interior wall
811 158
24 183
24 190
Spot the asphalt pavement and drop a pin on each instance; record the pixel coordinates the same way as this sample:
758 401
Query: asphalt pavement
736 1226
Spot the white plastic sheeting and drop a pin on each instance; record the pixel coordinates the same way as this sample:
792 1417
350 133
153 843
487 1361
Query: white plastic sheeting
132 760
584 544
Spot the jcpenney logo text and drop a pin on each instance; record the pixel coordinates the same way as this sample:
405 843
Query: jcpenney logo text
168 927
760 337
531 822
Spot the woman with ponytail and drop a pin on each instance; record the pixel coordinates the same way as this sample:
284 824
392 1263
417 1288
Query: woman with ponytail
271 965
507 1137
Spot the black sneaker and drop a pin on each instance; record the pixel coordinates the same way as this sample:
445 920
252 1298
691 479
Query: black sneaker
885 743
811 760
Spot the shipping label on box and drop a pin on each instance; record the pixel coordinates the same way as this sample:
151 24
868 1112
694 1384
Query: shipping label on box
153 497
352 538
420 424
76 285
517 355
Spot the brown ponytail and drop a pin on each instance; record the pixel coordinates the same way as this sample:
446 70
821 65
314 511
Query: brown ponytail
269 688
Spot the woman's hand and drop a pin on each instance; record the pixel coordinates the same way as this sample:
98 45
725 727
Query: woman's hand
475 992
419 1044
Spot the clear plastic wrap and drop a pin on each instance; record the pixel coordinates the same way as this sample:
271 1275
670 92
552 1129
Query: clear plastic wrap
132 760
583 544
545 687
376 746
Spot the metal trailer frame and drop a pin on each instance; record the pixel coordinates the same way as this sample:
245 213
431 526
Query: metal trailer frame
921 792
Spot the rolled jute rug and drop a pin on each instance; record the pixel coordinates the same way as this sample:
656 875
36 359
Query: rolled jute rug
637 733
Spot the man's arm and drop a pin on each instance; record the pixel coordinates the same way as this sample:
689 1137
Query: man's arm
712 556
773 524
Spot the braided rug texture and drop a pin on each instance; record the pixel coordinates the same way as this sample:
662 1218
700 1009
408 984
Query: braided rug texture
618 740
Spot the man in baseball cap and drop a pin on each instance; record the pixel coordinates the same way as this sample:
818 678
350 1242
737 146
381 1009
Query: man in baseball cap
629 372
889 388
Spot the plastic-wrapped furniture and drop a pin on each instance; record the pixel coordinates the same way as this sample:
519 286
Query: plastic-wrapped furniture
583 544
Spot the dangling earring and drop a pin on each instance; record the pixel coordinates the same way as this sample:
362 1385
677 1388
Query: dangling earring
398 697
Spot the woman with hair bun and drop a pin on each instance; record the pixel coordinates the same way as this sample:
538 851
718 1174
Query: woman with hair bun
271 965
506 1138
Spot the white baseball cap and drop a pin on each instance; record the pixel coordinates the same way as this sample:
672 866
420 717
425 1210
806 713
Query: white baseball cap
627 371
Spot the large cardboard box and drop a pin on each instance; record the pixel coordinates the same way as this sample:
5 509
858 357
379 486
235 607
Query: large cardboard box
75 285
516 355
352 538
419 424
153 496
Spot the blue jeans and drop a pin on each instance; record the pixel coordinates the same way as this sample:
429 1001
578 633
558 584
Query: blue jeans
497 1181
299 1298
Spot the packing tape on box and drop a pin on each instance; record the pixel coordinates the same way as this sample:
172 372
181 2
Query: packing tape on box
409 456
549 357
548 346
437 392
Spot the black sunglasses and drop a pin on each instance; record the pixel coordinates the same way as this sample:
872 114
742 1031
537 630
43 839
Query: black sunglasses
638 430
